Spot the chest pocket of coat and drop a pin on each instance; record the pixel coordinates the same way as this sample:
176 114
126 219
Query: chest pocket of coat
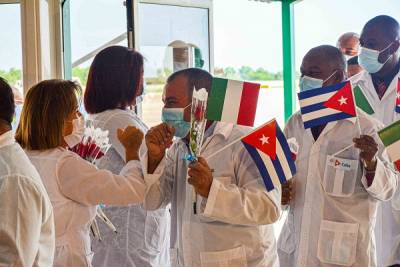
337 243
340 176
228 258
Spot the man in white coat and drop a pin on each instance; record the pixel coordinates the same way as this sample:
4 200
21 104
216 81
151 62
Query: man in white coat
332 214
26 214
379 56
231 223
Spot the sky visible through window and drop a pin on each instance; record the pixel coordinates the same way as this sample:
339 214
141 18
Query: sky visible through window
247 33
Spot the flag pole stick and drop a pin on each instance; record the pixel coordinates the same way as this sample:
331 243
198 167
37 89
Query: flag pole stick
342 150
223 148
235 141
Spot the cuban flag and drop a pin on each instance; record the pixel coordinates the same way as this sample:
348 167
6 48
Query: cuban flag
270 151
398 97
326 104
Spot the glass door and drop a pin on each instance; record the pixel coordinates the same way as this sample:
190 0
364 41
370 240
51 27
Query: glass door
171 37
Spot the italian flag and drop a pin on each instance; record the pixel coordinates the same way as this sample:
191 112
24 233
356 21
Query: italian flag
362 101
233 101
390 137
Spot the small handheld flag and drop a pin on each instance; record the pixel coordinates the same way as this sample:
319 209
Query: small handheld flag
327 104
362 101
390 137
233 101
270 151
398 97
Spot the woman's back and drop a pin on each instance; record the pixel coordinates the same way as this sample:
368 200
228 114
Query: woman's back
143 236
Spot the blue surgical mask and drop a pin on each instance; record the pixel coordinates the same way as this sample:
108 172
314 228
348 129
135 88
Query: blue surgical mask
175 118
308 83
368 59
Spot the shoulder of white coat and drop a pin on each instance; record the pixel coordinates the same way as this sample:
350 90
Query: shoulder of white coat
28 185
117 118
368 123
228 133
358 77
294 125
238 130
64 154
19 164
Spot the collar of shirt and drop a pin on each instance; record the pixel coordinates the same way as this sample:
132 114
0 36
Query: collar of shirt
216 129
219 129
7 139
382 84
209 132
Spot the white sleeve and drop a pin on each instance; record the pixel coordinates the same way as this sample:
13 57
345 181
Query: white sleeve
385 180
244 203
23 212
84 183
396 198
159 184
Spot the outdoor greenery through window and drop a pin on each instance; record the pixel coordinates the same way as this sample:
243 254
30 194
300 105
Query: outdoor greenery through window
249 47
11 52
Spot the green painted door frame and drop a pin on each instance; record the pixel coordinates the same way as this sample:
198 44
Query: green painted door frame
288 51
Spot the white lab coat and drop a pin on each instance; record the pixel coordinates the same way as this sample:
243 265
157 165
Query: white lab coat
143 236
233 226
387 230
75 188
332 217
26 214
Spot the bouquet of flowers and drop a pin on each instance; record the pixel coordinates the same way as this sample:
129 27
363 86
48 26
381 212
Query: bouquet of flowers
197 128
93 146
198 122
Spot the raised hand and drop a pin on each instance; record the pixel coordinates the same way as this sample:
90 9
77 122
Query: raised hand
131 138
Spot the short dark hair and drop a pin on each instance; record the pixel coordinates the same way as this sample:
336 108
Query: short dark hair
196 78
389 25
115 76
331 55
7 105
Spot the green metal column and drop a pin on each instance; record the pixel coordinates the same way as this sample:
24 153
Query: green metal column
66 28
289 71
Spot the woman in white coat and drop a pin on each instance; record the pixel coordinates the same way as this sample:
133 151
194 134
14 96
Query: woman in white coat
114 83
74 186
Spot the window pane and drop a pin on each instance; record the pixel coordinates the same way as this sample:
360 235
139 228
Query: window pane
11 51
248 46
177 39
94 25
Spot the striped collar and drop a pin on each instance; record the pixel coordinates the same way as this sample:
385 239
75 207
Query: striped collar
7 139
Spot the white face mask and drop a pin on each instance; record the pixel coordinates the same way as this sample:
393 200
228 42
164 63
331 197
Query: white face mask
368 59
77 132
309 83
